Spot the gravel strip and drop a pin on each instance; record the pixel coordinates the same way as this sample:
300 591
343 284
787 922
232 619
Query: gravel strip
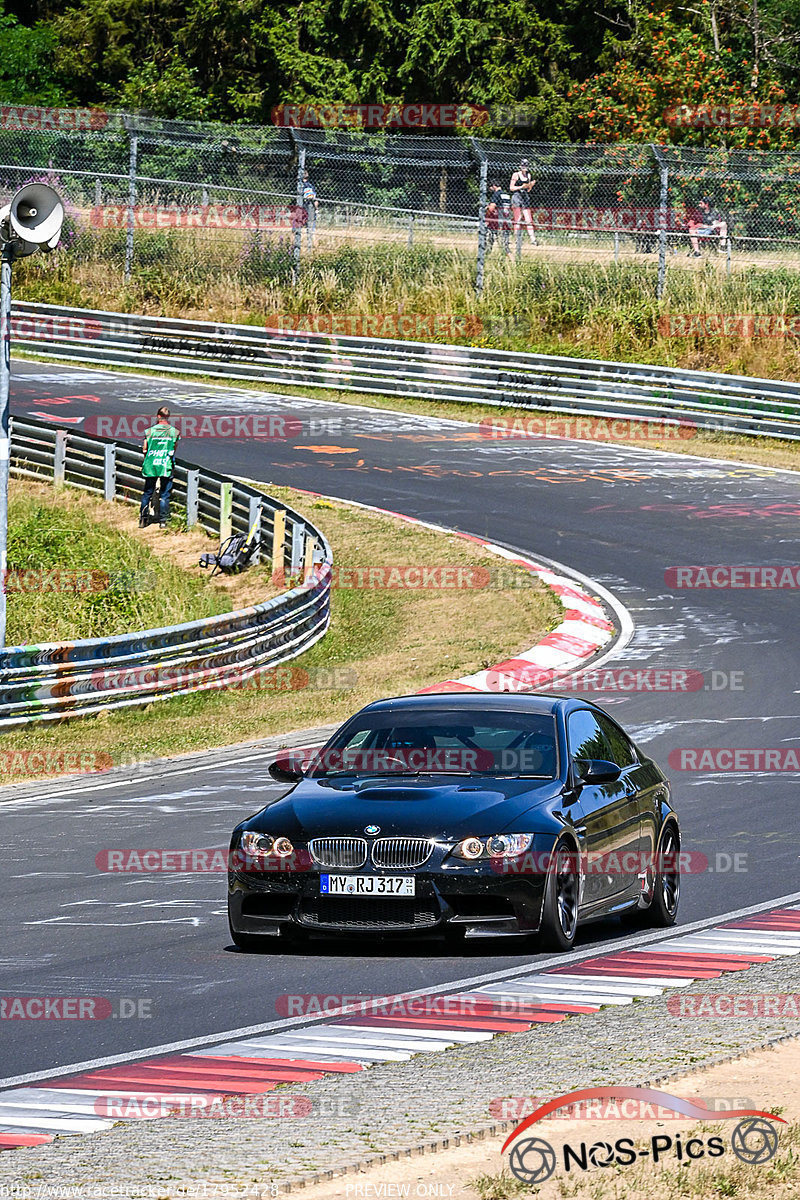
398 1106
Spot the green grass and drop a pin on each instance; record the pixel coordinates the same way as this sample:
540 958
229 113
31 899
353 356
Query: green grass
381 641
71 575
570 306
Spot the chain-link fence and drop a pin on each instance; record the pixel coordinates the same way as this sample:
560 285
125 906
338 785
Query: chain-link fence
261 204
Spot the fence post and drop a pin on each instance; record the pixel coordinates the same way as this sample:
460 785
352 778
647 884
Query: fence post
98 193
278 543
192 498
60 458
663 171
254 518
616 246
109 472
225 510
298 228
134 141
518 251
484 170
411 231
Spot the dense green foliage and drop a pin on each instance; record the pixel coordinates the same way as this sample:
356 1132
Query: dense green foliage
603 71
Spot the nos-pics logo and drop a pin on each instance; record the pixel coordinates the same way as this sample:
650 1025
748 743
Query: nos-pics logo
532 1160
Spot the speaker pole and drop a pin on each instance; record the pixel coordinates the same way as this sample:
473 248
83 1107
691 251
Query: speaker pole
5 438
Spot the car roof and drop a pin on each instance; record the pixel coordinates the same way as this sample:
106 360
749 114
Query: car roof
532 702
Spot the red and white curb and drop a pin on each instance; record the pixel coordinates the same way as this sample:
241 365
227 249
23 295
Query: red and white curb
583 632
255 1065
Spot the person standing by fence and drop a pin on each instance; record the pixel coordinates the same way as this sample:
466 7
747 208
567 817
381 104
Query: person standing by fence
521 183
158 448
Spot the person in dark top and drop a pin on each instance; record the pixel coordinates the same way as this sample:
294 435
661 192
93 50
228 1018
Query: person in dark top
521 183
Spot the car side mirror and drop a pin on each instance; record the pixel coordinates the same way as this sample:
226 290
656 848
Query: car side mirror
286 768
597 770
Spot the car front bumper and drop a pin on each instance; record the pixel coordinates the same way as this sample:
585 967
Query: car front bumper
476 903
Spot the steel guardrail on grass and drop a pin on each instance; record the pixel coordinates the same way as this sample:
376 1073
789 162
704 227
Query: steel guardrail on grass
68 679
425 370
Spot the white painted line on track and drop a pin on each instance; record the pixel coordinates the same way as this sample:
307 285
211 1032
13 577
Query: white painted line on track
442 988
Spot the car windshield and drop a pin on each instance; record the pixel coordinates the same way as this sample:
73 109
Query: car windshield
443 743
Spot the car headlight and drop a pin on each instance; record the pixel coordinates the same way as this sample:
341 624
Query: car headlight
508 845
500 845
262 843
471 847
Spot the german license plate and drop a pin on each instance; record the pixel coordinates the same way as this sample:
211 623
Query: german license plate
366 885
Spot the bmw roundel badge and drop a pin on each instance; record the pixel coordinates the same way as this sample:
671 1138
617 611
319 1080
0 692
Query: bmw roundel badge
372 829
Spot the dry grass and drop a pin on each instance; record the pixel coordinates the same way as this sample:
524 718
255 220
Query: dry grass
388 641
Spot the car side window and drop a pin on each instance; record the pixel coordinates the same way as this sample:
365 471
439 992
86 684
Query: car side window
586 738
623 753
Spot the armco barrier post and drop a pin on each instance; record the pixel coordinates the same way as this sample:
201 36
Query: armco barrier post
278 543
60 458
109 472
308 562
225 510
254 525
192 498
298 539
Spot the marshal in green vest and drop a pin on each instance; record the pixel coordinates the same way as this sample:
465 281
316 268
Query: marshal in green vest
161 441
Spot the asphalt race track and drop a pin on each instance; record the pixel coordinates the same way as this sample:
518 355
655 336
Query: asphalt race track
621 516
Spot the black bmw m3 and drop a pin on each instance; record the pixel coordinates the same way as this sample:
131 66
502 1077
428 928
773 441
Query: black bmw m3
463 815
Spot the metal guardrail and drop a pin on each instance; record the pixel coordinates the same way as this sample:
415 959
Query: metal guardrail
432 371
52 681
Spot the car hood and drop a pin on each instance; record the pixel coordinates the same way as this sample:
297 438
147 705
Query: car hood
450 808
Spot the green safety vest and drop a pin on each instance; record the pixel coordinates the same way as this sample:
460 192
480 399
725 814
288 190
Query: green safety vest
161 442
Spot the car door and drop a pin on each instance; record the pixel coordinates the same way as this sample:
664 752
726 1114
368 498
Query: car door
607 815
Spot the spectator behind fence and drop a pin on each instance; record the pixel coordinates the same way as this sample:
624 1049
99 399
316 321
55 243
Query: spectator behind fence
311 207
159 463
498 217
521 183
703 221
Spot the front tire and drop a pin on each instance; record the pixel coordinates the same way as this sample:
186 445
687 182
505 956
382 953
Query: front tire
561 897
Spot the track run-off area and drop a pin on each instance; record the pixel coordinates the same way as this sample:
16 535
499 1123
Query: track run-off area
624 517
